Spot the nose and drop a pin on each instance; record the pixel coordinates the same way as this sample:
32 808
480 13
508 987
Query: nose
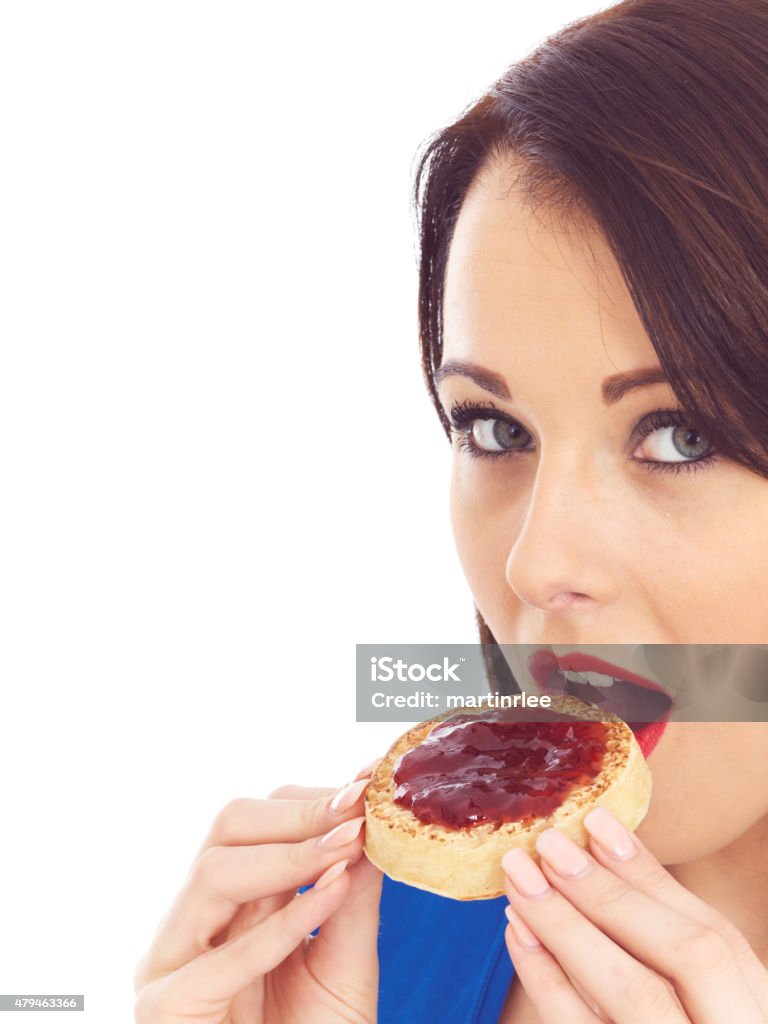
562 555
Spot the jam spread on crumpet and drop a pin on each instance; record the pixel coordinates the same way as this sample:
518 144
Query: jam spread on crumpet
495 769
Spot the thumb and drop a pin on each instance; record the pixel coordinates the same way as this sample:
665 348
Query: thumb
344 955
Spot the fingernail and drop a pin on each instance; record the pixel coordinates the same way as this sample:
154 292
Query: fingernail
568 859
342 834
610 833
348 796
333 872
523 934
368 769
525 875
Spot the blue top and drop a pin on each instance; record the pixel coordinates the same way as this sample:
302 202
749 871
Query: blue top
440 959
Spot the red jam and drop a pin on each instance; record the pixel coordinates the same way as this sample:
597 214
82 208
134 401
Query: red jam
498 768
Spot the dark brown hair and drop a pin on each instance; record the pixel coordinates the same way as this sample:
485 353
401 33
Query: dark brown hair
652 118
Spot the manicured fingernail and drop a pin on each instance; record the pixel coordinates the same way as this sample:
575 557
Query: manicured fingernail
342 834
523 934
610 833
348 796
525 875
368 770
568 859
333 872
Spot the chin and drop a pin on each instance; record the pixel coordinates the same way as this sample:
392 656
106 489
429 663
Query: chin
669 841
691 813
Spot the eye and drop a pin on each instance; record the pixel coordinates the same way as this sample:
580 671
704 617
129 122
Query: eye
495 435
485 431
668 436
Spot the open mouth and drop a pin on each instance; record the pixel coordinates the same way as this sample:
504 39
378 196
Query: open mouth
641 703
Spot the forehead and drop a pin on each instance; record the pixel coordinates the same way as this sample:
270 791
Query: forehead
518 274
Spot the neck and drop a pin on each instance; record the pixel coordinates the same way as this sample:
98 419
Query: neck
733 881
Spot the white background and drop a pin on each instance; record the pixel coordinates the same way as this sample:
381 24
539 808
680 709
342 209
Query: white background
220 467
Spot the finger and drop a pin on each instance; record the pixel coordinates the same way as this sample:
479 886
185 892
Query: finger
694 957
369 769
227 877
626 990
545 982
242 822
621 852
246 821
291 792
251 913
304 793
344 957
207 984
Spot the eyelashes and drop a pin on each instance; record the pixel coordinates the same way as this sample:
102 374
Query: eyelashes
687 465
463 416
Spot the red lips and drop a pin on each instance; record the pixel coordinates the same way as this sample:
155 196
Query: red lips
622 698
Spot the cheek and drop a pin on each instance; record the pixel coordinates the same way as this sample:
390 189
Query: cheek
683 559
707 540
710 785
484 532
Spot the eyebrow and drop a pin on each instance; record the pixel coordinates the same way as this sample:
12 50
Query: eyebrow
613 388
486 379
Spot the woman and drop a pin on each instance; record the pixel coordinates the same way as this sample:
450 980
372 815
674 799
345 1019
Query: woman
594 315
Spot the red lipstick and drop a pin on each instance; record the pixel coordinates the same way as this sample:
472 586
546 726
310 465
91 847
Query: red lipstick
642 703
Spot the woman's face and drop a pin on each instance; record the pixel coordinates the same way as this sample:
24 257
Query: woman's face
585 508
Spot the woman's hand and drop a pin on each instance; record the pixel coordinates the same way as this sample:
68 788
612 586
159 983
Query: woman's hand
613 937
235 946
